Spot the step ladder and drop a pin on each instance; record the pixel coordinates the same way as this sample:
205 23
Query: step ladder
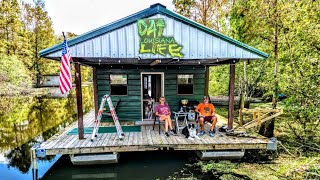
106 98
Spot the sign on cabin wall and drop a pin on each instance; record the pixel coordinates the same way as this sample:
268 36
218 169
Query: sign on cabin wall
152 39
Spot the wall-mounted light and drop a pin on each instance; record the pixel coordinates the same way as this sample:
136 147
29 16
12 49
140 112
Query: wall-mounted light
155 62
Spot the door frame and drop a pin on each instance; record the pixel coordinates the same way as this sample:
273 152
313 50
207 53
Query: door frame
141 87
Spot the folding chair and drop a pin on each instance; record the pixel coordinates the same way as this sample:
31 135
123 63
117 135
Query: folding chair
156 118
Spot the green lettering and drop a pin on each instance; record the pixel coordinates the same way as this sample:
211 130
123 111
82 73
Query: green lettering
152 29
143 50
145 40
160 49
160 25
174 50
170 40
142 27
162 40
152 39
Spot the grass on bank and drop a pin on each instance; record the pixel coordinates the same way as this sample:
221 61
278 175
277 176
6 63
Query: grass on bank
292 160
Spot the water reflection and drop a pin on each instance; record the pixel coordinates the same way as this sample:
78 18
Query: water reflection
131 166
25 121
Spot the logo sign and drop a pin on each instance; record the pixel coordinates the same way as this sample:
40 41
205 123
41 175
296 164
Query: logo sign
152 39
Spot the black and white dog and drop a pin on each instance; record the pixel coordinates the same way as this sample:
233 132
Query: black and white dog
190 132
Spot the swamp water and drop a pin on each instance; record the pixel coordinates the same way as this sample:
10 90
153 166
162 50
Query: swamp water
26 121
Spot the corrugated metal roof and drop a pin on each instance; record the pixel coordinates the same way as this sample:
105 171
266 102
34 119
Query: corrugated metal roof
121 40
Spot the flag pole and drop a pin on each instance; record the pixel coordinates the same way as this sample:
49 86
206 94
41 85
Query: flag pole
78 95
79 100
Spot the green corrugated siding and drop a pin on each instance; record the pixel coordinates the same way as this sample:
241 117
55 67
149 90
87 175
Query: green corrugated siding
129 108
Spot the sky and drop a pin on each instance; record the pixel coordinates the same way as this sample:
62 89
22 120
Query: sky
81 16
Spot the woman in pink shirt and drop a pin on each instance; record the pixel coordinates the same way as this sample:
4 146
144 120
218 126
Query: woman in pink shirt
163 111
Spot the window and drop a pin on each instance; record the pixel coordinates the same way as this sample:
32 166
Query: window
185 84
118 84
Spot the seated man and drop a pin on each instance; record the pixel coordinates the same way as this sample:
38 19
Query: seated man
163 111
206 113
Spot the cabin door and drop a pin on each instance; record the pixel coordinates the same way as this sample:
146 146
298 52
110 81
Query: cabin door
152 88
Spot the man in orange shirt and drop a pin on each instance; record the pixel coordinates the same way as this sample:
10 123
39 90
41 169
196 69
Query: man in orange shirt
206 113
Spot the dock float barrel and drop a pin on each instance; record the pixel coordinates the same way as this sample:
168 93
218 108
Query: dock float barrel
209 155
90 159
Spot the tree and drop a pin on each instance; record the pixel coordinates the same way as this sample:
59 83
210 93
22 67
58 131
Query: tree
289 32
301 80
210 13
42 36
14 76
11 29
184 7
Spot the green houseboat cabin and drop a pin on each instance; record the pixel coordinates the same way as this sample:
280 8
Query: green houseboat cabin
152 53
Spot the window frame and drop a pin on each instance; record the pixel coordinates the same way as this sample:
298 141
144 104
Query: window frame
187 84
118 84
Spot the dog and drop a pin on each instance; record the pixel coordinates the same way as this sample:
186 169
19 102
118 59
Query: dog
190 132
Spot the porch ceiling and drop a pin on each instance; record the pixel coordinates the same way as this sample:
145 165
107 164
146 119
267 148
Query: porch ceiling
150 62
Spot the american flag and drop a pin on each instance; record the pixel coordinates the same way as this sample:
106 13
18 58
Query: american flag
65 81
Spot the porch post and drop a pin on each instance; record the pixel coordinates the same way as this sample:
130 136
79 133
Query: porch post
206 85
231 95
79 100
95 91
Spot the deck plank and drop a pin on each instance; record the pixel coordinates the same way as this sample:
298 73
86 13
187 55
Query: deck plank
147 139
106 140
135 138
150 135
97 139
104 135
139 138
71 141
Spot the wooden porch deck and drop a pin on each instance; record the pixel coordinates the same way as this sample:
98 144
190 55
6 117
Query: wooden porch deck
146 140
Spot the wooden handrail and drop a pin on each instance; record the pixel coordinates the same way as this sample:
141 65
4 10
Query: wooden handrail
260 115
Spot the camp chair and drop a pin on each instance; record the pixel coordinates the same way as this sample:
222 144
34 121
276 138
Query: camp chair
157 118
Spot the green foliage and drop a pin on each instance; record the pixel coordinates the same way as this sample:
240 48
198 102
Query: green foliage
219 80
295 48
22 118
217 167
301 80
10 26
281 168
13 75
25 29
184 7
41 35
212 14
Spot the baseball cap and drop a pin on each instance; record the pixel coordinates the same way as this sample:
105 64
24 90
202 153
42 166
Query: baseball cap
205 97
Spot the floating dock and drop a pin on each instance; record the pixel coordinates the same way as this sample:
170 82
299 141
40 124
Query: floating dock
146 140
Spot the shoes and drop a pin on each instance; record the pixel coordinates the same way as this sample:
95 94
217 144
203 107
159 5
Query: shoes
173 132
201 133
166 134
211 133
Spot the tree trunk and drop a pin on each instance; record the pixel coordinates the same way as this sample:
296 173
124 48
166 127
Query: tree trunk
241 104
267 128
